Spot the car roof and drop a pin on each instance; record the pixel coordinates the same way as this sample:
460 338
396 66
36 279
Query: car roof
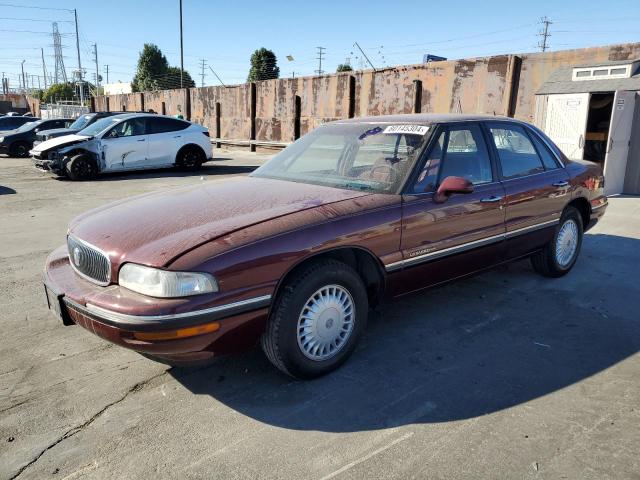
425 118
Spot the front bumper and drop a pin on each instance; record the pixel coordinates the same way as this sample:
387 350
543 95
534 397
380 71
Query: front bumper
131 316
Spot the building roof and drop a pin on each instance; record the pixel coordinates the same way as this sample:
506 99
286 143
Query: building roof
560 81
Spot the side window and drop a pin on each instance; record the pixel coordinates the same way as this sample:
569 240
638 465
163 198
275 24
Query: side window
428 176
466 155
164 125
549 161
128 128
517 155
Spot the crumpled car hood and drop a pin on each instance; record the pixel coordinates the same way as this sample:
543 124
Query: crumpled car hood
154 229
60 142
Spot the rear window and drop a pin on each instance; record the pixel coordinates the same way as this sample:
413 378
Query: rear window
164 125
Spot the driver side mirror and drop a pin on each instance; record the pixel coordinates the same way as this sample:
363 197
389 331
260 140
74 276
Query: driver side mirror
451 185
112 134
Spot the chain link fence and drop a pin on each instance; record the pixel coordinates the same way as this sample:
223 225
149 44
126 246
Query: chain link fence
62 110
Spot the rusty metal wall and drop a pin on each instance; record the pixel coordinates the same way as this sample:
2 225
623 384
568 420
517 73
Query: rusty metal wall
501 85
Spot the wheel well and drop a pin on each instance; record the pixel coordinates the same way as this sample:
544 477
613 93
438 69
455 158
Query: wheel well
190 146
582 205
362 261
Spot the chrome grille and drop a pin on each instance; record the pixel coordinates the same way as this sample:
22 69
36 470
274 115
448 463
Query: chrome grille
88 261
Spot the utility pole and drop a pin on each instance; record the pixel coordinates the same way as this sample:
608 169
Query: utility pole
364 55
44 69
202 72
320 55
293 74
75 15
95 56
181 45
106 69
544 33
24 83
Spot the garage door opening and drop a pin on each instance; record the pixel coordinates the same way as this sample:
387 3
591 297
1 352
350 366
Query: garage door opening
598 122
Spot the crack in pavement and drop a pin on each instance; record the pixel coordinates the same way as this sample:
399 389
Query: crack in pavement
71 432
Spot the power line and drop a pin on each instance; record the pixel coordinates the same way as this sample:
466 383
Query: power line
35 8
544 33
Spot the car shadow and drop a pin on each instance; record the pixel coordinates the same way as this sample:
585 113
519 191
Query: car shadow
470 348
209 169
6 190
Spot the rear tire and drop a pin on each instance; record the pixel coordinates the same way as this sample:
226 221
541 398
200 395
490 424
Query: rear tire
559 256
20 149
190 158
81 167
317 319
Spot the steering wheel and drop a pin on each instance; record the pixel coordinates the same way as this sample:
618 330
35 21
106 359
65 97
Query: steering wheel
393 174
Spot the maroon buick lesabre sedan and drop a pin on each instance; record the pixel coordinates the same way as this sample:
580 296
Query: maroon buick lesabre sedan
294 254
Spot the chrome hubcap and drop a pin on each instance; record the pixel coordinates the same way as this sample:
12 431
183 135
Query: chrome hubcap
567 243
325 322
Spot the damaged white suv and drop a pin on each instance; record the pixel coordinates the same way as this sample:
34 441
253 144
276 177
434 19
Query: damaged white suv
131 141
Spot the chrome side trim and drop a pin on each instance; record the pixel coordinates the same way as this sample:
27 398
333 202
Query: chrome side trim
531 228
218 311
602 205
392 267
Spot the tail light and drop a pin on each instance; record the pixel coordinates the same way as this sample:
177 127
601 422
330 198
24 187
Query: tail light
206 134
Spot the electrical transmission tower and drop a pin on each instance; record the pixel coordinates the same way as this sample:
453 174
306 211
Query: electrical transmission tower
544 33
320 55
202 72
60 73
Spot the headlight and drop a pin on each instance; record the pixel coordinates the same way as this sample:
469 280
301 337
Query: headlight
165 283
1 139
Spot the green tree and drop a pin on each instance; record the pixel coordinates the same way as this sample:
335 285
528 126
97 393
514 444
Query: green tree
152 64
344 67
264 66
59 90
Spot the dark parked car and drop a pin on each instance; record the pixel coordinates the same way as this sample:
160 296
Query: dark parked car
8 123
81 122
294 254
17 143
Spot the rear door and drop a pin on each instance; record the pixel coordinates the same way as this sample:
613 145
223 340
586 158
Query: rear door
124 146
566 122
166 136
464 233
535 183
615 163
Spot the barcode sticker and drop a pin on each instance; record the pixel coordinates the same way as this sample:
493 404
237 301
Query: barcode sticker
406 129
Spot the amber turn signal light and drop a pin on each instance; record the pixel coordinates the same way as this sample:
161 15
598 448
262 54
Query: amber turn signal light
177 334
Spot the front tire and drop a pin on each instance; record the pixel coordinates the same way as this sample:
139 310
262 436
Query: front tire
20 149
81 167
559 256
317 319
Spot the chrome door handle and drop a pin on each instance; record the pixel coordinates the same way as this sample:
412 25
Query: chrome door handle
561 184
178 136
491 199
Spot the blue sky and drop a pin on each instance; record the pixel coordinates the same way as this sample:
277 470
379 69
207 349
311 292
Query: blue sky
226 33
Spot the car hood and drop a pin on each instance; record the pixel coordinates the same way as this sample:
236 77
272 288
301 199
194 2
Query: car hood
156 228
57 132
59 142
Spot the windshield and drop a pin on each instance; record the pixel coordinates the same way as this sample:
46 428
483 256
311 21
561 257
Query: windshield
99 126
80 122
28 126
355 156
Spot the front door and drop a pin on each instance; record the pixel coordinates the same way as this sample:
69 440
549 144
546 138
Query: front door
615 162
465 232
535 184
566 122
125 145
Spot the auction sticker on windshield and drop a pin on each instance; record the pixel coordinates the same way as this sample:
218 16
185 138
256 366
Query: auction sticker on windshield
407 129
